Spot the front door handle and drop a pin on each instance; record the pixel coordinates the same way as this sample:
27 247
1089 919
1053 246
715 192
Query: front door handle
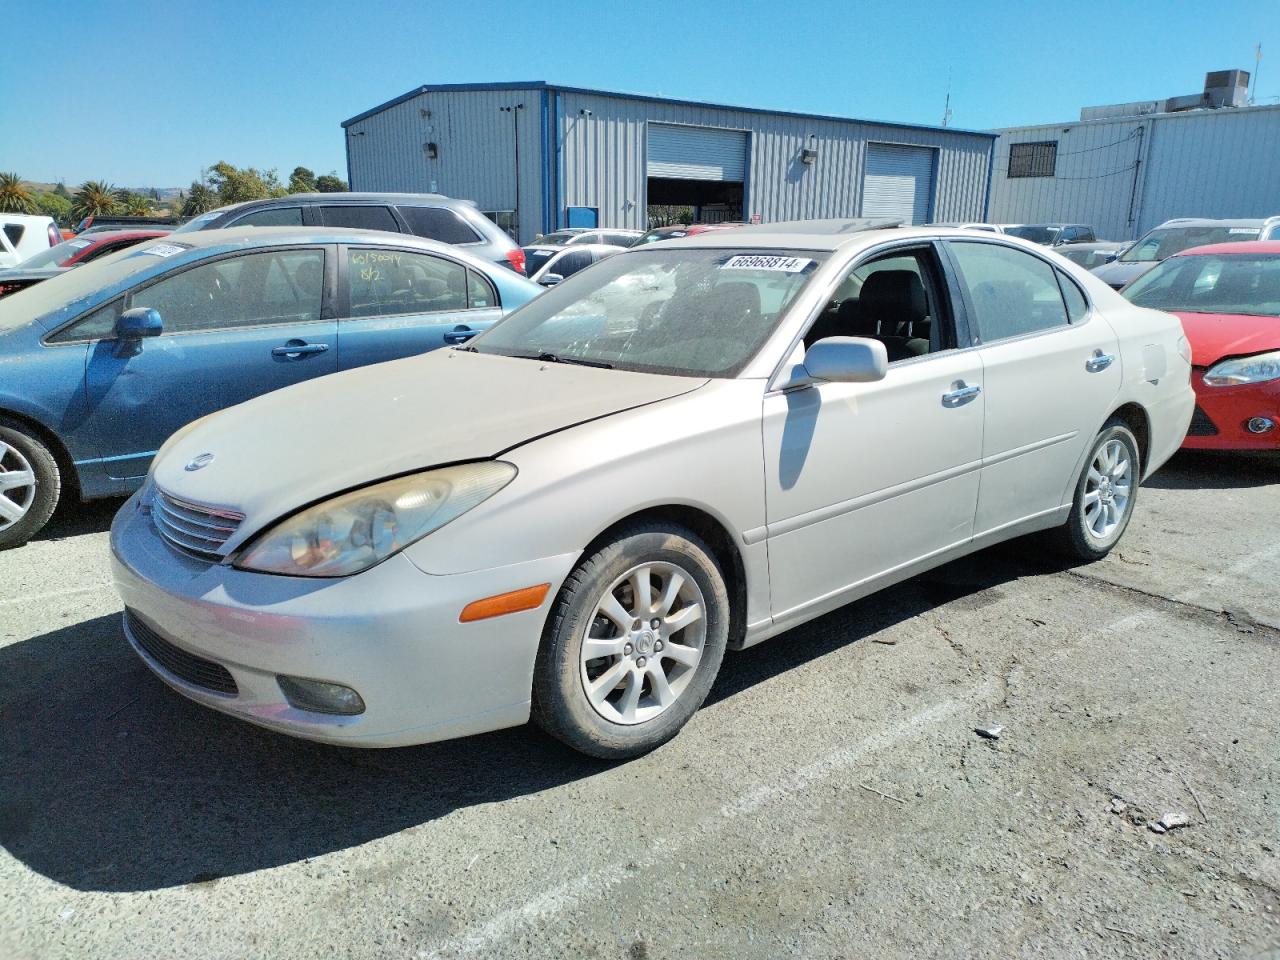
1099 361
459 335
296 349
960 394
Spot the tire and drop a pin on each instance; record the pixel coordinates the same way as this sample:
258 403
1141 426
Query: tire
1098 519
27 506
657 690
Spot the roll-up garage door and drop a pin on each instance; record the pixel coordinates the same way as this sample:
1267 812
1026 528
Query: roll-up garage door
697 153
898 182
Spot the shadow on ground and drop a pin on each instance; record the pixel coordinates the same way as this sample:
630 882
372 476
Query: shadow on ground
114 783
1217 470
74 519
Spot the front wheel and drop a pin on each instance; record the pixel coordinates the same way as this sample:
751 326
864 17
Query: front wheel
633 643
1105 495
29 485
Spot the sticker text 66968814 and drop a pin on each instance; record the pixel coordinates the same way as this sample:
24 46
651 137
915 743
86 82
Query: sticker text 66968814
758 261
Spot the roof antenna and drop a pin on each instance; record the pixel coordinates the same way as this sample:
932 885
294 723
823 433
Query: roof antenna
946 109
1257 64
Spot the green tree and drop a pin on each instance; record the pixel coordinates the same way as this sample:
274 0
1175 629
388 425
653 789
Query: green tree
234 185
302 180
94 198
200 199
331 184
14 195
62 191
53 205
137 205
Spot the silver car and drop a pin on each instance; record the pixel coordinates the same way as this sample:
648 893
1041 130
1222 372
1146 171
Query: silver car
692 446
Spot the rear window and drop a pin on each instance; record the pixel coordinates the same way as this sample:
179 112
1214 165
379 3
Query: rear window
438 223
360 218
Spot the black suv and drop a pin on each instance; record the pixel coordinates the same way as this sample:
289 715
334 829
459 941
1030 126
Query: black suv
427 215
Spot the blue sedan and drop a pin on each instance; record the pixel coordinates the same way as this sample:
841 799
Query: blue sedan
100 365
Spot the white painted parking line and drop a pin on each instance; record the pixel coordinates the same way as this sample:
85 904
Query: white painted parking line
484 938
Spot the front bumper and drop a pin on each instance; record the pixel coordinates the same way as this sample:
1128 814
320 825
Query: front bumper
1222 413
391 633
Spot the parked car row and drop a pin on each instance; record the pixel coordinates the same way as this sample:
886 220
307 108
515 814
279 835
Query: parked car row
339 531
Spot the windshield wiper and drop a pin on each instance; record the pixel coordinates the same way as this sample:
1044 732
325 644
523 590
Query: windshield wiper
546 357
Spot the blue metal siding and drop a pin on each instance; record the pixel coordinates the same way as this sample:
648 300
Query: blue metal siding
1202 163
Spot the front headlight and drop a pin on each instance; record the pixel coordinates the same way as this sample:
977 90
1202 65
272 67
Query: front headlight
356 530
1255 369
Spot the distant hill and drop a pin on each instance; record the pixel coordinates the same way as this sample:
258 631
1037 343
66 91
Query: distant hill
165 192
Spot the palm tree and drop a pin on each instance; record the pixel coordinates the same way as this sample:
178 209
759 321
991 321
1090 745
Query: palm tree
14 195
93 198
200 199
137 205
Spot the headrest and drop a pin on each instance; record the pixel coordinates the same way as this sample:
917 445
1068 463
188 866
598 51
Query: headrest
896 291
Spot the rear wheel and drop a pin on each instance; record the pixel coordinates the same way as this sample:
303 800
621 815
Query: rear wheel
1105 495
633 644
29 485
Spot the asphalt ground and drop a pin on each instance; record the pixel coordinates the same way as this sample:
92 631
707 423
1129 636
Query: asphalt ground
832 799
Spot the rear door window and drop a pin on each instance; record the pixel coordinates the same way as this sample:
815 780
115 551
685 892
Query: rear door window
387 282
275 217
438 223
480 292
14 232
1011 293
360 217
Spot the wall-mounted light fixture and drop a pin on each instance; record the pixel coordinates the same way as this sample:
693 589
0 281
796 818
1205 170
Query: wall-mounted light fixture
355 133
809 153
431 150
584 112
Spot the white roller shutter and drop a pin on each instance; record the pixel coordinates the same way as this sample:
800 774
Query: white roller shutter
697 153
898 182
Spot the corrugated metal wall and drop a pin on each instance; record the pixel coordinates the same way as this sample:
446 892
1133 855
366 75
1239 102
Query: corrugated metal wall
475 146
604 160
1210 163
603 156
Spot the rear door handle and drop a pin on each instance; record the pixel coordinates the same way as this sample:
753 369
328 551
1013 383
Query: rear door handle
459 335
961 395
295 349
1099 361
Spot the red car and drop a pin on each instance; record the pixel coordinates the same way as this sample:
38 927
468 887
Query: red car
86 247
1227 296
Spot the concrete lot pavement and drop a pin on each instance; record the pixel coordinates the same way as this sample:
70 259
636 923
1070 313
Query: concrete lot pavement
831 800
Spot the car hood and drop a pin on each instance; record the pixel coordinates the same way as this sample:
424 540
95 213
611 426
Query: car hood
1118 273
1217 335
296 446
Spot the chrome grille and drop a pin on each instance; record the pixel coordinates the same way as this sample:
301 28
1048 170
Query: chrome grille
193 528
185 666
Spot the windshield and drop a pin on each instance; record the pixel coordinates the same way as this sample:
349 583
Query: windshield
83 282
698 313
1045 235
1165 242
55 256
560 238
1207 284
202 221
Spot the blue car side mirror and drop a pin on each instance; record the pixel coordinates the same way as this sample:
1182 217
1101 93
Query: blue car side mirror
138 323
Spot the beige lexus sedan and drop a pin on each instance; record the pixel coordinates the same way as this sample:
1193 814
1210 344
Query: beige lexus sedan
686 448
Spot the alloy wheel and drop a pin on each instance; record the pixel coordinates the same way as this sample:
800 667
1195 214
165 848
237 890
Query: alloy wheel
643 642
1107 489
17 485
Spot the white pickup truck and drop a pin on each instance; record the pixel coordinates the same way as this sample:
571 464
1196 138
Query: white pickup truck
23 235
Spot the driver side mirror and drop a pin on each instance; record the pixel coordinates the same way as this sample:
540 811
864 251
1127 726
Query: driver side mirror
551 279
138 323
847 360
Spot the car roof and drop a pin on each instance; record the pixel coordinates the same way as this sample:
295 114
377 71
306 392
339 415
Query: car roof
1208 222
1242 247
272 236
829 234
594 247
345 197
24 217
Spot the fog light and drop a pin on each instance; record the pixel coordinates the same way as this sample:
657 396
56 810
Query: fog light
1260 425
320 696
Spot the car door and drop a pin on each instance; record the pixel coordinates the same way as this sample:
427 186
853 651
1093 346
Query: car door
234 327
865 479
398 303
1051 372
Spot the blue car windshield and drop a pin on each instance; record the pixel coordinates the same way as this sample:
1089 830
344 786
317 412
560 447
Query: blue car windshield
19 309
688 312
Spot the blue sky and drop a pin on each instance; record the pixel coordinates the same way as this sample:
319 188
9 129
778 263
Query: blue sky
147 92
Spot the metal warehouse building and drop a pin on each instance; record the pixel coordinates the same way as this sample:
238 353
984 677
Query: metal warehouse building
1127 168
536 157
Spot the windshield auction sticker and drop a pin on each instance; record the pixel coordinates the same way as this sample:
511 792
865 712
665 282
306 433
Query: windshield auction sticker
761 262
164 249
